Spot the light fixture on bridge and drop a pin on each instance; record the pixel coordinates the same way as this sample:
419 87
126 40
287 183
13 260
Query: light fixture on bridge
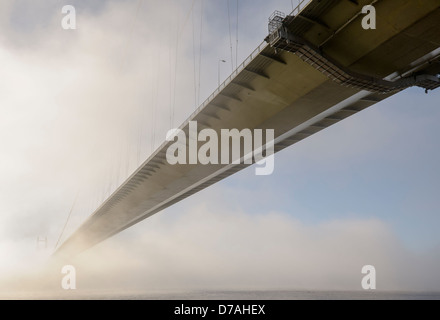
220 60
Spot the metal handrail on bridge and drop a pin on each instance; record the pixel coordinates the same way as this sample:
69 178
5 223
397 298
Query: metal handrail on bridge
299 7
242 66
228 80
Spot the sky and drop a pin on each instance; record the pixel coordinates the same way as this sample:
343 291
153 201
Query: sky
81 109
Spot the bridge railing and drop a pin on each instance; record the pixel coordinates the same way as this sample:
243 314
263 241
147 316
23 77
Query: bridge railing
299 7
228 80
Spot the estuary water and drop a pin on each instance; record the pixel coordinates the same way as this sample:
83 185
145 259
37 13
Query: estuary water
223 295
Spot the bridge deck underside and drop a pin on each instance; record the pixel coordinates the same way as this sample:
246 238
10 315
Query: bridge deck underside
276 90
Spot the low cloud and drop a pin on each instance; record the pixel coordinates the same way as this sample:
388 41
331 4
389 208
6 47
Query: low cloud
213 249
206 247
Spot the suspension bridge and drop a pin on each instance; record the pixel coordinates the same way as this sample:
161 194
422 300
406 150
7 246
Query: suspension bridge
316 67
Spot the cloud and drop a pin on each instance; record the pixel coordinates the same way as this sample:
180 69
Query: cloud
79 107
213 249
75 106
208 248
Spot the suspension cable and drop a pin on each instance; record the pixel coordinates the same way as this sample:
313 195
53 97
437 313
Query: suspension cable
230 37
200 49
194 59
175 66
236 37
67 221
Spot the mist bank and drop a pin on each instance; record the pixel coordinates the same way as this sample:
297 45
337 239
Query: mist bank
210 249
